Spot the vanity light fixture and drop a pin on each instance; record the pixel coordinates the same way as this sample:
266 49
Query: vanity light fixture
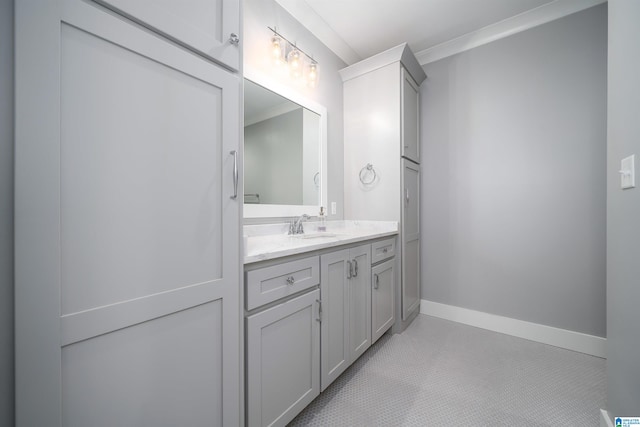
302 67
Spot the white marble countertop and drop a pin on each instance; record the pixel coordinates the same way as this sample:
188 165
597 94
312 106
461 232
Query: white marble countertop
269 241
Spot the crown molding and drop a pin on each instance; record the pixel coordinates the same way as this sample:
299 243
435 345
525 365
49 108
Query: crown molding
507 27
401 53
308 17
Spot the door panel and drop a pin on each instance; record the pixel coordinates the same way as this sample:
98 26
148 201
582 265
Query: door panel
360 302
335 303
140 158
203 25
382 298
410 118
143 374
410 239
283 354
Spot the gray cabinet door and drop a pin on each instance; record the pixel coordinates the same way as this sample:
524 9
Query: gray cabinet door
410 117
410 238
359 301
127 258
334 292
345 288
202 25
283 360
382 300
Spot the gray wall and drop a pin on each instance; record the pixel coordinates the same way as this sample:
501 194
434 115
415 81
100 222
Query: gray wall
258 14
513 161
6 212
623 211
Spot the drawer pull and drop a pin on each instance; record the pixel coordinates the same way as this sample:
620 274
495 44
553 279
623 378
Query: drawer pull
385 250
290 280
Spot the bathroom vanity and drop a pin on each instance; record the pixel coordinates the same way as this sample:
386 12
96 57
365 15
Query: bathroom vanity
314 303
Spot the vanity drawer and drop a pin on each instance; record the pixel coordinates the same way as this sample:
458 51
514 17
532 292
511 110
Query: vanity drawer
268 284
383 250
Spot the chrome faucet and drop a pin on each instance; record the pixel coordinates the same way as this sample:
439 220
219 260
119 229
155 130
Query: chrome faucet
295 226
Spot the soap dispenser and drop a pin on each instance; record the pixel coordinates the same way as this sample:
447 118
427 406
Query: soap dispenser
322 224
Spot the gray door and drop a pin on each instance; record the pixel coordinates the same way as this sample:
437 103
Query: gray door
359 301
206 26
410 238
382 302
334 292
283 360
410 117
127 258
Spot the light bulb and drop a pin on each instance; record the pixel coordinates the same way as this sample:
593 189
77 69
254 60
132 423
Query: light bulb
276 50
312 75
294 59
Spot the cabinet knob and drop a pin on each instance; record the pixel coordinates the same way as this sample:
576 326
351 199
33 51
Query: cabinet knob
290 280
234 39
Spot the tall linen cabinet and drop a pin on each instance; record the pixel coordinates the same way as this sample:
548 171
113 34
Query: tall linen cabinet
382 158
127 279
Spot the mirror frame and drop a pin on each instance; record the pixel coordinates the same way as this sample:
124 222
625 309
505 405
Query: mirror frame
280 211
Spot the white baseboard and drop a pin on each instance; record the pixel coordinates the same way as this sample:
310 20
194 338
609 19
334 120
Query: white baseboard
605 419
576 341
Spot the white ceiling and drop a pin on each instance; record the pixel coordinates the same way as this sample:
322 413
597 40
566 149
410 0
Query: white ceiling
357 29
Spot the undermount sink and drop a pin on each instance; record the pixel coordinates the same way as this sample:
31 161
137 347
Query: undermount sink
315 235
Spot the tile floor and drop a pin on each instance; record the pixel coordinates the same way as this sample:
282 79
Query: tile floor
441 373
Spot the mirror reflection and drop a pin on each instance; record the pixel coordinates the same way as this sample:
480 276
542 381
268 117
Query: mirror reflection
281 150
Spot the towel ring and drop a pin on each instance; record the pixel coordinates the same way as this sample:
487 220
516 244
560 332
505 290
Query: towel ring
363 174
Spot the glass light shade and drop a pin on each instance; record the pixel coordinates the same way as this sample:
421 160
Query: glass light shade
312 75
295 61
276 50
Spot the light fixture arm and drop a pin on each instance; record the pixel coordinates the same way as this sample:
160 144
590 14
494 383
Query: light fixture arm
276 33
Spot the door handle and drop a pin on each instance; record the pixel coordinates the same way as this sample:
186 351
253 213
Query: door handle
406 195
319 318
349 266
234 153
376 280
355 267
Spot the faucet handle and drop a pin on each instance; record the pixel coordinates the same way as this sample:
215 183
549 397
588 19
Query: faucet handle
300 229
292 227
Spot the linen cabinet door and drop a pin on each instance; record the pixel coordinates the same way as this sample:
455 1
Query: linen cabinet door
359 301
334 291
382 298
127 258
283 360
410 238
410 117
211 27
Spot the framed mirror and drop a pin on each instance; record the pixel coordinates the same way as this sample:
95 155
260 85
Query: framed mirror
285 151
